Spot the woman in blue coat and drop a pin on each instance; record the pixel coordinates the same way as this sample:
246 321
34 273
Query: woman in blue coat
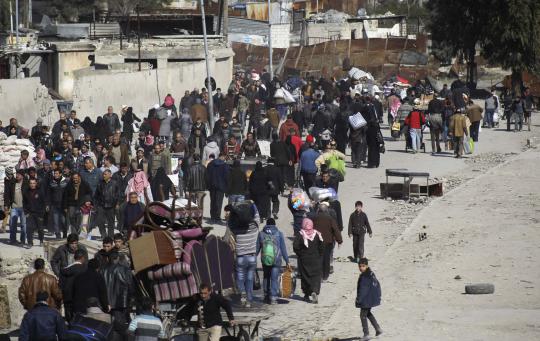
368 295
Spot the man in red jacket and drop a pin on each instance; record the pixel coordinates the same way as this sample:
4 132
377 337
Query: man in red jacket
415 120
286 127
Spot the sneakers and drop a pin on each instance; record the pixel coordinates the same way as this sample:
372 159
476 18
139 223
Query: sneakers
248 304
314 298
243 300
366 337
378 332
306 298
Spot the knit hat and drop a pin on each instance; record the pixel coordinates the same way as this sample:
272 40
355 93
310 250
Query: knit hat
310 139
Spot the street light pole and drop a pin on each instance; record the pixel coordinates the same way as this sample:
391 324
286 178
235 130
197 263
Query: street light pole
208 77
17 21
270 43
138 35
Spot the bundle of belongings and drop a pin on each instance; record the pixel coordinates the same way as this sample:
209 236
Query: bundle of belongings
170 247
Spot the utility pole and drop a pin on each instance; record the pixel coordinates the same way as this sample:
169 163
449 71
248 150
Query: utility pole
208 77
11 22
29 13
226 20
270 42
17 21
138 35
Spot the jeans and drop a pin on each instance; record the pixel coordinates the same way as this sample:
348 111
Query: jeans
59 221
475 127
17 213
216 201
270 281
242 119
34 223
518 121
234 198
365 315
327 255
488 118
415 138
245 274
73 219
209 334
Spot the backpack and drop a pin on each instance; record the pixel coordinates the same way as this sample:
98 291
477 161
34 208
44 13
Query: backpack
269 252
336 163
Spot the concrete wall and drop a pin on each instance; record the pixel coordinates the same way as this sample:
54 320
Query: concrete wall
94 91
26 99
326 30
67 63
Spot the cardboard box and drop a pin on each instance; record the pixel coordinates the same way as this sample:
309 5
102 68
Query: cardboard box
154 248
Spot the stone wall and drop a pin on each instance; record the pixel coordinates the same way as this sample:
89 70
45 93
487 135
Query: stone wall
26 99
94 91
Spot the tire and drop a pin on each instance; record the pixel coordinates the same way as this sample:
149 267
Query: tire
479 289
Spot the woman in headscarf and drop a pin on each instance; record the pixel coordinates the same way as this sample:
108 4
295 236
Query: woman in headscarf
308 246
140 185
168 104
100 129
89 126
162 185
128 118
259 190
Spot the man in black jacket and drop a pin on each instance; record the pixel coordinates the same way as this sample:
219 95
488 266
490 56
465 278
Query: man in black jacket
216 178
67 277
237 183
89 284
75 195
106 199
55 191
34 209
42 322
281 155
196 181
275 178
120 288
65 254
358 226
207 306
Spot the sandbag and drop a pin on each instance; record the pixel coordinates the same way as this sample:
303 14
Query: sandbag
319 194
357 121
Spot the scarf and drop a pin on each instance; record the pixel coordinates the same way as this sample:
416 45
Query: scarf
138 183
307 232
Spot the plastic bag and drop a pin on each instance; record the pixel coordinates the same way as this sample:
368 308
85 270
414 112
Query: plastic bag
319 194
300 200
357 121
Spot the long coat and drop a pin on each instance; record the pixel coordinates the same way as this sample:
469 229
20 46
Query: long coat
309 263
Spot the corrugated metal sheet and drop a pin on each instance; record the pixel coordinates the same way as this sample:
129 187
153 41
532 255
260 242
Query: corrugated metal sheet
327 58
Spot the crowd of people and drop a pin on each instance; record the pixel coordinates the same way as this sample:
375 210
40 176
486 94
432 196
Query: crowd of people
100 174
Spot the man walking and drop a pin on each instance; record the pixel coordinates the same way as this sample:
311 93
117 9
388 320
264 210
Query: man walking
42 322
327 226
106 198
76 193
216 172
474 112
358 226
54 194
368 295
34 209
208 307
415 120
37 282
491 105
458 129
13 199
196 181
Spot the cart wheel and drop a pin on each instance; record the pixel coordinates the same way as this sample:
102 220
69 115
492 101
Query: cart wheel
243 335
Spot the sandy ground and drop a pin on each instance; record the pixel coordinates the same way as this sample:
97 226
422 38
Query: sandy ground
421 300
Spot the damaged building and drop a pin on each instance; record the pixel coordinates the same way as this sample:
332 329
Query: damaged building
88 66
